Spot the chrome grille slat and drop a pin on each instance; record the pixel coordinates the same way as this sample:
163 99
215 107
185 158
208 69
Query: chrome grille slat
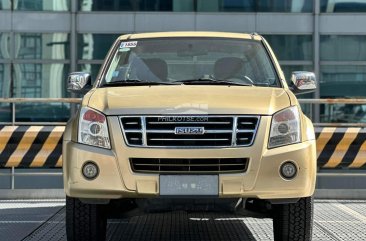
187 139
172 131
245 131
190 122
246 123
133 130
149 164
160 131
181 165
143 127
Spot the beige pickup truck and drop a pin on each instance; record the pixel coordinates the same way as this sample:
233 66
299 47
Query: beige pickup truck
182 120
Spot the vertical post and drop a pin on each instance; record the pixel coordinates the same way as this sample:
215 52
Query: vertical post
316 40
12 178
311 112
73 46
73 37
13 114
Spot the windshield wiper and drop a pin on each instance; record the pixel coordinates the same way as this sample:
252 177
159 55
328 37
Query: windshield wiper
137 82
210 81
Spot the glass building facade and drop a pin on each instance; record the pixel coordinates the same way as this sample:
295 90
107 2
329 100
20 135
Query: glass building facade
41 41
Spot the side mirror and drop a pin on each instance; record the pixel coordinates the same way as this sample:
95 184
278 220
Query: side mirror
79 82
303 82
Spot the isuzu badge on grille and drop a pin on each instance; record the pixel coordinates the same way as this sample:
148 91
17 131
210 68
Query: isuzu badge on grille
189 130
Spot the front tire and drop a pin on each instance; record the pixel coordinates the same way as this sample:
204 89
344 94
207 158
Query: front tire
293 221
85 222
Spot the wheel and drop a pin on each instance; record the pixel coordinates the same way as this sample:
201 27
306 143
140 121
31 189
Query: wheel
85 222
294 221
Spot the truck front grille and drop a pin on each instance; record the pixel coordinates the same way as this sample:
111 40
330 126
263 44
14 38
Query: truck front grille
189 131
196 166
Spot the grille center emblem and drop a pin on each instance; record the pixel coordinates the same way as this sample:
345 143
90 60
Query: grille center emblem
189 130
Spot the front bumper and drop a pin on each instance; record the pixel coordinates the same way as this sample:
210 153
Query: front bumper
117 180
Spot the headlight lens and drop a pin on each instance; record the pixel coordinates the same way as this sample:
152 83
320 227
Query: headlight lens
285 128
93 129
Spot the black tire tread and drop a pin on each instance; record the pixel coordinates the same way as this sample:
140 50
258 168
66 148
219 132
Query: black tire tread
84 222
294 221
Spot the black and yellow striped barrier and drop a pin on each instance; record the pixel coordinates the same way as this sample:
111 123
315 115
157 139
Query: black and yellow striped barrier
41 146
31 146
341 147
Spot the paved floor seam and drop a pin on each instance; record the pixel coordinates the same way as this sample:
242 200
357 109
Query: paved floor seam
350 211
327 232
40 226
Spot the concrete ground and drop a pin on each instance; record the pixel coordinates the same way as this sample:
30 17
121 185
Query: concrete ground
45 220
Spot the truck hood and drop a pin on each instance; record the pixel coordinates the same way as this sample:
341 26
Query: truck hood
188 99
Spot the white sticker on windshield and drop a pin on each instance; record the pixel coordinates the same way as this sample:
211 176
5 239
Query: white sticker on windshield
131 44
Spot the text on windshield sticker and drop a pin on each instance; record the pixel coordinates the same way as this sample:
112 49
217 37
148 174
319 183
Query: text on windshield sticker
131 44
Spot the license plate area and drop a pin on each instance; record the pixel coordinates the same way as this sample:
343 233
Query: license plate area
189 185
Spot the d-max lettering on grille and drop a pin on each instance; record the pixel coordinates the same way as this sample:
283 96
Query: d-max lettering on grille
180 117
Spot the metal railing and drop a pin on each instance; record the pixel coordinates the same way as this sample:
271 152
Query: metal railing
353 101
14 101
13 174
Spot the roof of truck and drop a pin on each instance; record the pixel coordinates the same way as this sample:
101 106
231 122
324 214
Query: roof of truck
253 36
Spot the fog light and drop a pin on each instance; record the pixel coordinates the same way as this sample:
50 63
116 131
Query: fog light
288 170
90 170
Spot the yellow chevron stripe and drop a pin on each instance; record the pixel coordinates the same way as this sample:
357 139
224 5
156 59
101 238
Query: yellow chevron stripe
23 146
342 147
5 135
360 159
59 162
48 146
323 138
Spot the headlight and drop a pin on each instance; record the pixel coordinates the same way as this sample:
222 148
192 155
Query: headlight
285 127
93 129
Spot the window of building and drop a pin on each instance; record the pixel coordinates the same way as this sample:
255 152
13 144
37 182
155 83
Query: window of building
128 5
95 46
343 47
41 5
5 45
5 110
285 6
34 80
343 75
5 4
40 64
92 49
198 5
42 46
226 5
343 68
341 81
342 6
291 47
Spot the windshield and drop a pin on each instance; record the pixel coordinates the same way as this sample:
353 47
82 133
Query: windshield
191 61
